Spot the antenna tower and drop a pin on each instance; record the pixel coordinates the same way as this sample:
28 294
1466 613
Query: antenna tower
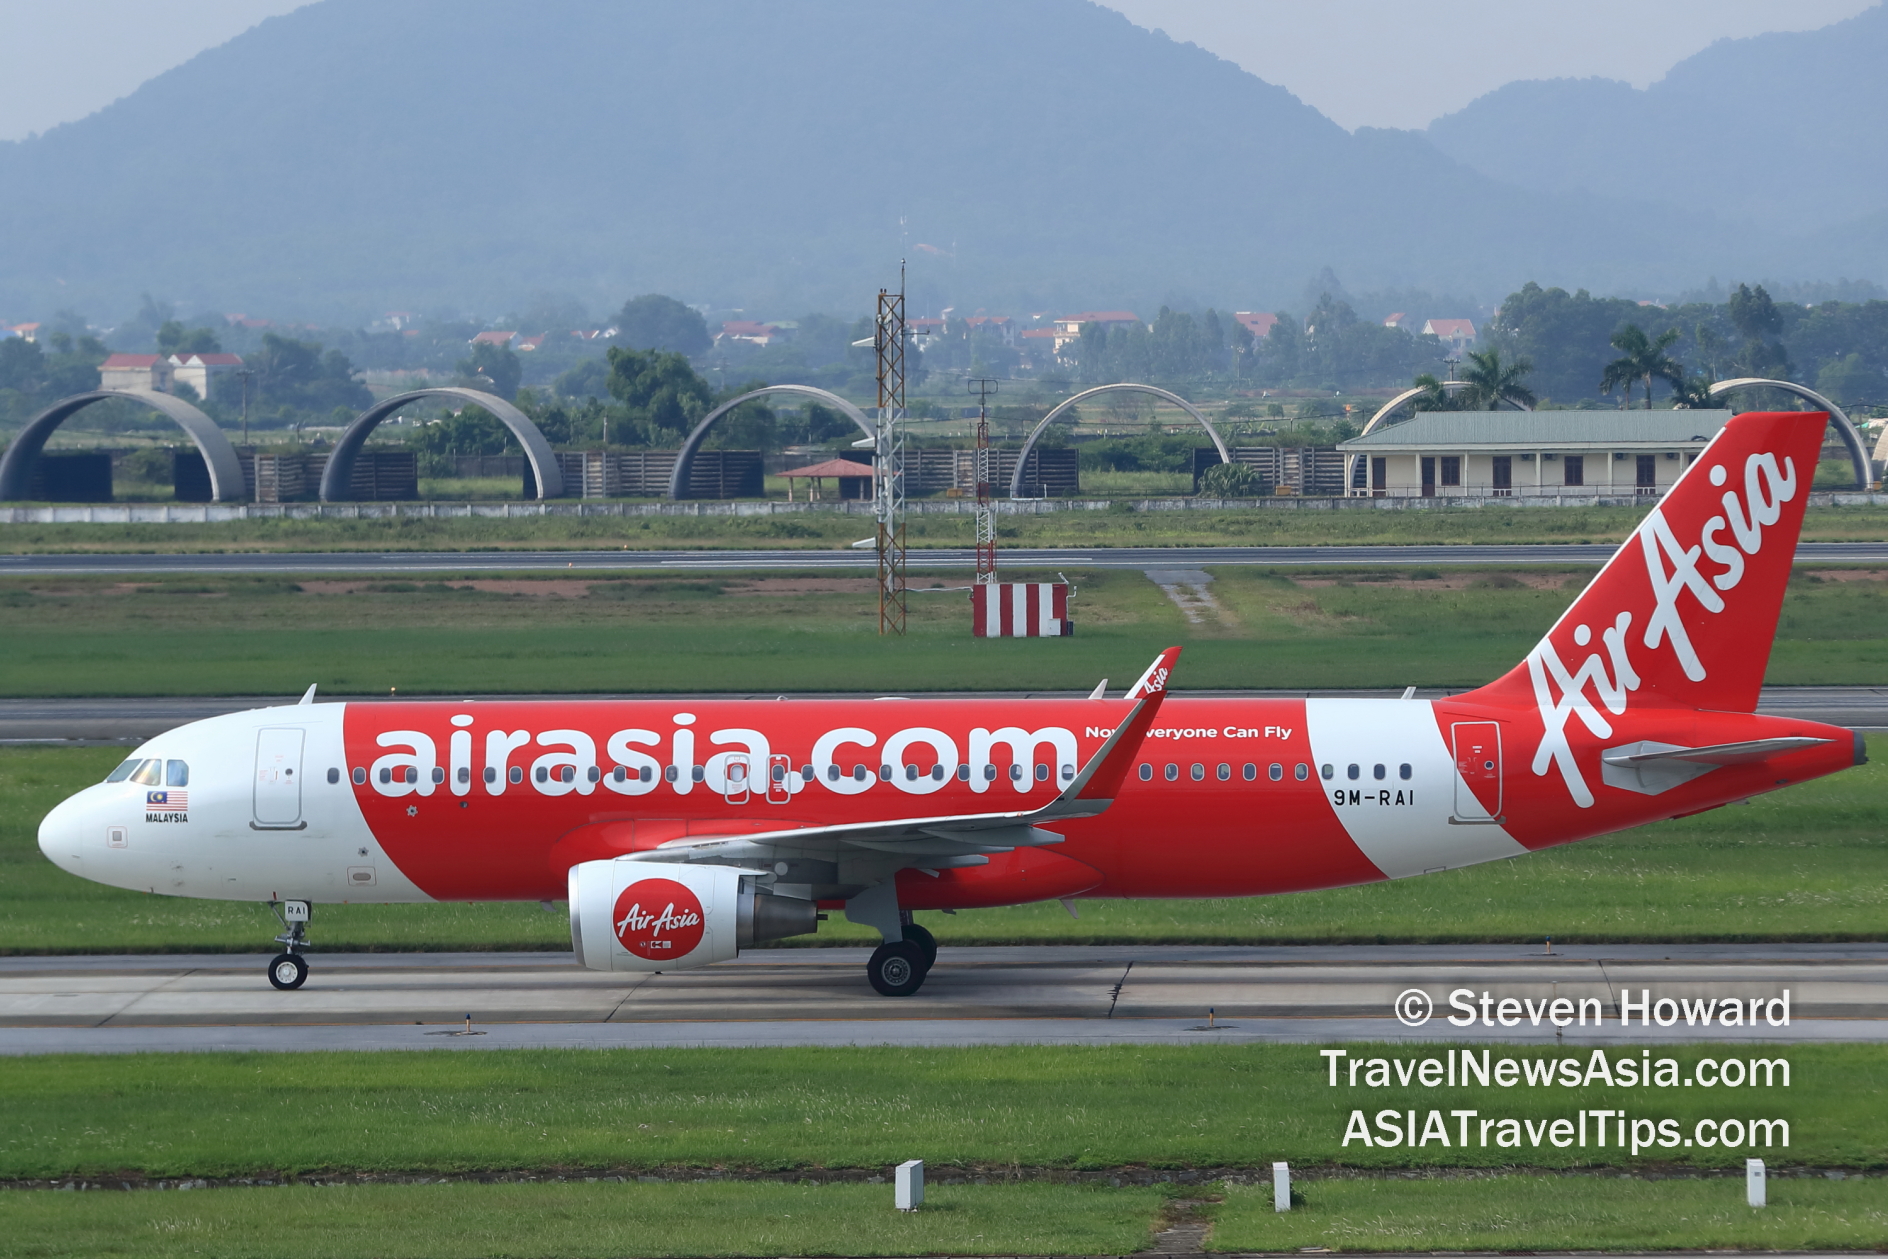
888 339
986 512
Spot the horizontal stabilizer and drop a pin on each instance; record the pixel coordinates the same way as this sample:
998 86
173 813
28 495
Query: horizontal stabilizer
1719 753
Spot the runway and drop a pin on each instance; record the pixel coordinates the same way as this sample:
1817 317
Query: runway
432 563
131 720
974 996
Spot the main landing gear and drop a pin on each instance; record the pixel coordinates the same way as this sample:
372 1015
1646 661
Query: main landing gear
288 970
898 967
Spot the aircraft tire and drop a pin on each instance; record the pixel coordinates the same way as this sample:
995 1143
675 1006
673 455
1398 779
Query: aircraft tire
288 972
897 969
924 940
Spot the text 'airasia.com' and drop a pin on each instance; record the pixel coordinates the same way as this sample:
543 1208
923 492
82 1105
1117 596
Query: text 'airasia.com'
1632 1125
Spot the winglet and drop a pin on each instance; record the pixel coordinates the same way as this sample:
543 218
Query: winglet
1095 786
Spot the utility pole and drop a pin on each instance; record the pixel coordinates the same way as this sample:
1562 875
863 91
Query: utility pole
243 374
986 511
888 340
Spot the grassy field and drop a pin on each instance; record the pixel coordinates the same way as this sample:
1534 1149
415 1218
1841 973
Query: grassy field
826 530
1806 863
989 1108
577 1221
1529 1213
782 632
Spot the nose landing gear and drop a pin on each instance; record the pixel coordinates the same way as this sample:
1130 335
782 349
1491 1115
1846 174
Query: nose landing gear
287 970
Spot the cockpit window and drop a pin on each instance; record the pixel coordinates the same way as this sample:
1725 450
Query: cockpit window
176 774
124 771
149 774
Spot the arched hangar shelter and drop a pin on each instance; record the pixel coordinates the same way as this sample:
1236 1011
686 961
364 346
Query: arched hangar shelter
1845 428
336 477
226 471
685 458
1042 425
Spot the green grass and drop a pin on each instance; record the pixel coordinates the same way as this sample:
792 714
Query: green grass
1809 862
781 632
1528 1213
1203 1105
825 530
573 1221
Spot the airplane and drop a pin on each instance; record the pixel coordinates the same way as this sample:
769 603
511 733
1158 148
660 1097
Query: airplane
681 832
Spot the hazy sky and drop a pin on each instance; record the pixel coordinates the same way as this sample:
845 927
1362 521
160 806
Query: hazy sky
1384 63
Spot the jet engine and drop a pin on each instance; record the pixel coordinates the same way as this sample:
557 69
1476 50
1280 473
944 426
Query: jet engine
643 916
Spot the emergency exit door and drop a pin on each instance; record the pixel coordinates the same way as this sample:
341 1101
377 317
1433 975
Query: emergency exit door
278 784
1477 771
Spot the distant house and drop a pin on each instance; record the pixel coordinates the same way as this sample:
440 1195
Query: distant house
1257 322
147 372
1457 334
1002 325
1069 327
25 331
924 326
494 338
524 345
1399 320
244 321
199 371
749 331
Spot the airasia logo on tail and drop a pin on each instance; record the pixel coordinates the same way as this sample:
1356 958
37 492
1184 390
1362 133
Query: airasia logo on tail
1674 571
657 919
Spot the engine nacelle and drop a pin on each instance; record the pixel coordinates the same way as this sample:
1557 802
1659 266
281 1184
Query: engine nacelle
644 916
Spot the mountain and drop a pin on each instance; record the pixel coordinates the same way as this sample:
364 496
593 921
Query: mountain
354 156
1781 131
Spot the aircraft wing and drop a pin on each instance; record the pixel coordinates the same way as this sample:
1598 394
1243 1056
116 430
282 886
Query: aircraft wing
942 840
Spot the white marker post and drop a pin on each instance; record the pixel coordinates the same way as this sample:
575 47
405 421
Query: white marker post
910 1185
1755 1188
1281 1186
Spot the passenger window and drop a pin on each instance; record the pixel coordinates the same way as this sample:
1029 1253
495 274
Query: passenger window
885 773
1068 773
989 773
176 774
1402 771
858 773
963 773
649 775
1276 772
334 775
491 773
386 775
1303 772
807 774
1016 773
1225 772
1199 772
124 771
1042 773
359 775
439 774
1353 772
517 773
696 773
1251 772
1376 772
1173 773
593 773
1327 771
465 773
832 773
619 774
544 775
150 774
1147 773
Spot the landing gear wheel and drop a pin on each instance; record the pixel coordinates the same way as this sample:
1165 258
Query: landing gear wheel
914 934
897 968
288 971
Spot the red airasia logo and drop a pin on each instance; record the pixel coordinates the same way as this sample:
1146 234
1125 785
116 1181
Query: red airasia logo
658 918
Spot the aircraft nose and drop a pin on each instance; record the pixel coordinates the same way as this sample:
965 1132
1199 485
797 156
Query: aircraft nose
61 833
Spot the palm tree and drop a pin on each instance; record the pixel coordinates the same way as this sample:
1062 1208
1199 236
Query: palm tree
1434 396
1642 361
1490 384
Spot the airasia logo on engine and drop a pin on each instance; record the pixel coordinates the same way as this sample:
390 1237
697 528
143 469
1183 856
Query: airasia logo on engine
658 918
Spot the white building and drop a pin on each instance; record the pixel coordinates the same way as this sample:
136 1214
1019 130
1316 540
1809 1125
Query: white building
135 371
1529 454
199 371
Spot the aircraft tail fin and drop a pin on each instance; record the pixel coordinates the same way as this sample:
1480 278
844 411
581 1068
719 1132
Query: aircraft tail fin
1685 612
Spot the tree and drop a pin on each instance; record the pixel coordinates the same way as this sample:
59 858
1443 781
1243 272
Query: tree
662 393
174 338
296 376
655 322
1435 396
1490 383
1642 360
493 368
1564 335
